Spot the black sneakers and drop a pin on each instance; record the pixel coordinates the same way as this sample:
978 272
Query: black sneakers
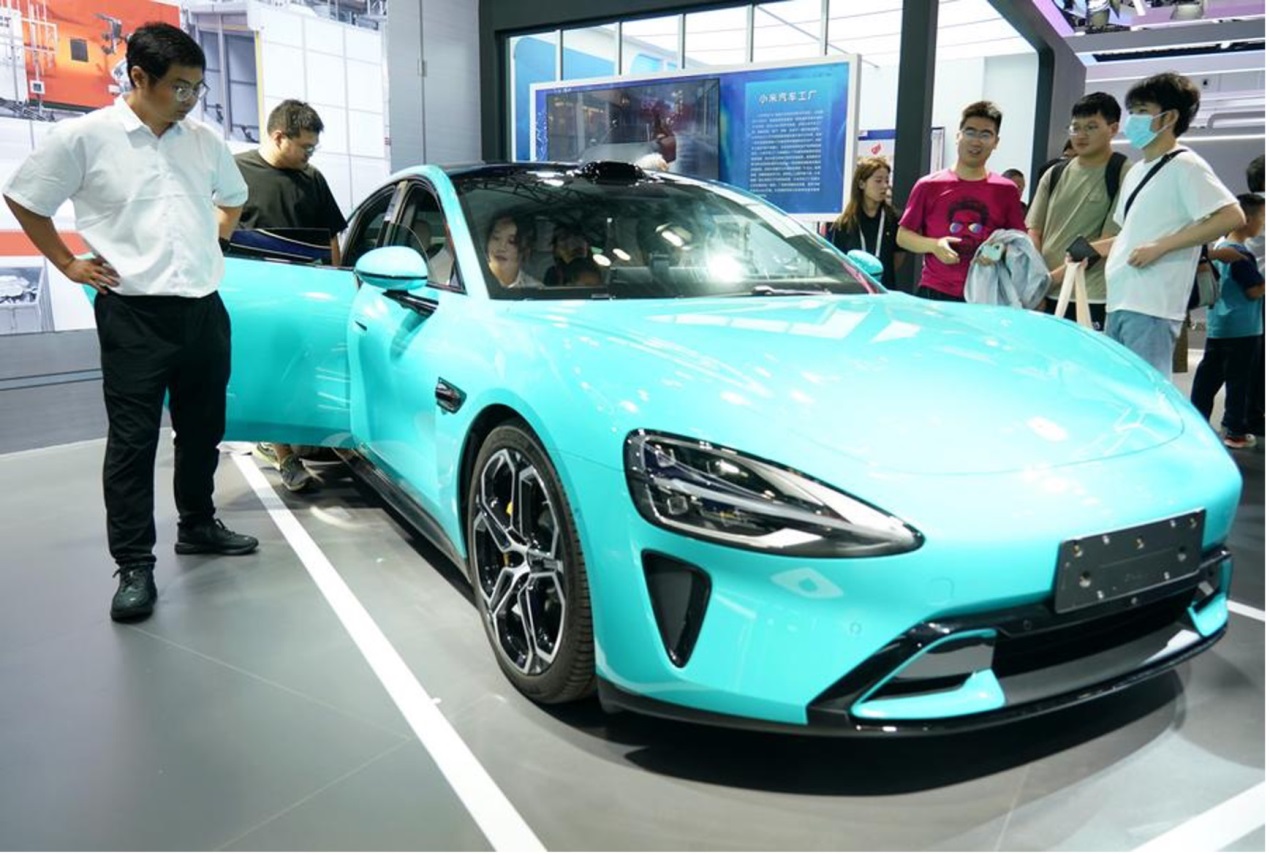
213 537
136 595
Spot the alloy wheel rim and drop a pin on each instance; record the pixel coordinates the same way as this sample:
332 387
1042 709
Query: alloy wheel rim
516 536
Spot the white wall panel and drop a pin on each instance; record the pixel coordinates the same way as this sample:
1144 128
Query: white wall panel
282 71
878 85
368 175
452 88
363 45
334 168
324 78
15 140
1010 81
322 35
958 82
276 25
403 51
365 134
365 82
335 129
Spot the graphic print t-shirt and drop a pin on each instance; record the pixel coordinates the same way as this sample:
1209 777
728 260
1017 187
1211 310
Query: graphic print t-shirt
943 205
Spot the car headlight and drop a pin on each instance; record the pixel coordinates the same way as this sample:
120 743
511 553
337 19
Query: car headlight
721 495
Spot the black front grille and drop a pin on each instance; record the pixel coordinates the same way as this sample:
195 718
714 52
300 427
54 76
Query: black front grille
1018 654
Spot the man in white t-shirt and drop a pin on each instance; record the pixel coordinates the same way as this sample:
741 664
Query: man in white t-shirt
1171 203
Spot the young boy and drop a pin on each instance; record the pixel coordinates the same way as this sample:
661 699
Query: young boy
950 213
1170 204
1234 324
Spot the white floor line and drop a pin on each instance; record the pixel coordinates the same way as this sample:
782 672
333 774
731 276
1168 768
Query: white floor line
1217 828
494 814
1246 611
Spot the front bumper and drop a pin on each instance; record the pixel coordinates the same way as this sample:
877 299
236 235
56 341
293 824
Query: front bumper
982 670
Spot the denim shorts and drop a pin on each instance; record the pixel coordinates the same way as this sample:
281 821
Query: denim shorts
1149 337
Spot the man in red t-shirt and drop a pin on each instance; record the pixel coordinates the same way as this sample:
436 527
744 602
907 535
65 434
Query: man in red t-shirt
951 212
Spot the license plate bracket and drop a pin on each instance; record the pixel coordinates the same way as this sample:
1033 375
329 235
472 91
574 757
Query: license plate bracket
1113 565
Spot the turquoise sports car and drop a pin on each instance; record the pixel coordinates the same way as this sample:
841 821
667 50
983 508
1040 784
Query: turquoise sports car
694 458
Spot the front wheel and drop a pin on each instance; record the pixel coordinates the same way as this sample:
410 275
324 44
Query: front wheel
526 567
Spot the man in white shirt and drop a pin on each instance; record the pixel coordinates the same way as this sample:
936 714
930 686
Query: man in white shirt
1170 204
152 191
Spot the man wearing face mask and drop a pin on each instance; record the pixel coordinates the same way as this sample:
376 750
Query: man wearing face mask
1170 204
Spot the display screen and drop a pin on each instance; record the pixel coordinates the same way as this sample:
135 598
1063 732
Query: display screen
670 126
780 132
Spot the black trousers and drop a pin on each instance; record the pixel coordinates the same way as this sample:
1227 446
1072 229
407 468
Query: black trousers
1257 390
1229 361
151 346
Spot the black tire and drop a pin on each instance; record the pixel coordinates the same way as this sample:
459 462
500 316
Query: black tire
524 558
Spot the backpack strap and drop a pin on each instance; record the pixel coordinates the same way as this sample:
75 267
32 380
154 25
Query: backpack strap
1111 175
1115 167
1055 172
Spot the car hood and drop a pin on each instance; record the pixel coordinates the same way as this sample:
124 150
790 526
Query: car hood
899 383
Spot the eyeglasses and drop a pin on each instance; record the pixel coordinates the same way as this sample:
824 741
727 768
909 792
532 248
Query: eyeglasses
957 228
983 136
308 149
186 92
1075 130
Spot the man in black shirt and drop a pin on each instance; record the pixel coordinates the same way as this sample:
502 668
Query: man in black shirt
287 193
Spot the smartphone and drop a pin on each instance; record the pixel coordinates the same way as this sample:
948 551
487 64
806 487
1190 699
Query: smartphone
1081 249
992 251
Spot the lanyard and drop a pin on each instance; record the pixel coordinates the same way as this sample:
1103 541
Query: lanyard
877 244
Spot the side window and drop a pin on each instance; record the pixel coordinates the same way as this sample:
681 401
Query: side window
368 225
421 227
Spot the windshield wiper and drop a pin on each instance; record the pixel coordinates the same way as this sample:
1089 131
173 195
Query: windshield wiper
769 291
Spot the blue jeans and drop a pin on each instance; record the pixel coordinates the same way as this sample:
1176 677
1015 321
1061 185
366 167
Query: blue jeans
1149 337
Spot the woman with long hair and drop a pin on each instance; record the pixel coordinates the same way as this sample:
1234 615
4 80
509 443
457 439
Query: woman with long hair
869 222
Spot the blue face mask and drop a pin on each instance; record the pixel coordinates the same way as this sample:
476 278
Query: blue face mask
1137 128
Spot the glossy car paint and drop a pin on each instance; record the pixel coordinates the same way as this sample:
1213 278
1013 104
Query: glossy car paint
996 433
289 359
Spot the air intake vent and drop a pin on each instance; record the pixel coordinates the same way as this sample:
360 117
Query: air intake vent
680 593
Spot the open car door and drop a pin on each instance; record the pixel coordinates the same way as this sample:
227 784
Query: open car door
289 380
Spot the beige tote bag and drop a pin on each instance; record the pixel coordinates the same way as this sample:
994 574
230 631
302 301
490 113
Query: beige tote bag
1074 288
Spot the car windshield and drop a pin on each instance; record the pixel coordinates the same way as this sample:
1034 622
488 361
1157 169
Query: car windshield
613 231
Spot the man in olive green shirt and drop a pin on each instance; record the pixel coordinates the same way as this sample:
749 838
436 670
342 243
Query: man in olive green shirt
1080 199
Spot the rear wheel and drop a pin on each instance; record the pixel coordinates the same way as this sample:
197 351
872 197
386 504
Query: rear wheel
526 567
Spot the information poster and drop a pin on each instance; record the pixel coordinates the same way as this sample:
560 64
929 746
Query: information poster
781 132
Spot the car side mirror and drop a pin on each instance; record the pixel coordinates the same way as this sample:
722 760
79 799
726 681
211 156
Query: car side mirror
867 262
392 268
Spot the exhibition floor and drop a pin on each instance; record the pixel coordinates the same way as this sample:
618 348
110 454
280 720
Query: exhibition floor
264 706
